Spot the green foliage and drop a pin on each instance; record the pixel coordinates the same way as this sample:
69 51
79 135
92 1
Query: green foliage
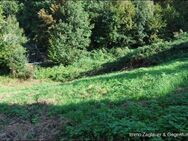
149 22
103 60
11 7
148 55
172 17
71 34
143 13
12 53
156 25
105 107
181 12
125 23
116 23
1 16
31 23
120 23
89 61
135 23
113 22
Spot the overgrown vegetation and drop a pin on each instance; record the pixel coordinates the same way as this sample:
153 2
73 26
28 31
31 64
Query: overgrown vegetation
93 70
71 35
62 30
104 107
12 54
102 61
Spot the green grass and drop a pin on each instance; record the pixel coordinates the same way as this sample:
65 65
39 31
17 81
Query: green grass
138 90
109 106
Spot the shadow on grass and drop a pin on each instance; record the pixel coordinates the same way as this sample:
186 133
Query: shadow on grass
101 120
131 61
97 120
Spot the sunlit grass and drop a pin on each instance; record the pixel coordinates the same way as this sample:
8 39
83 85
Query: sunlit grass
152 99
137 84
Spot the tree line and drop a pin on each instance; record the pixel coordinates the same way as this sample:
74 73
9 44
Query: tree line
65 30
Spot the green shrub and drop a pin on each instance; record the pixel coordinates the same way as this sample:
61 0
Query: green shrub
125 23
175 14
172 17
181 7
1 16
119 52
71 34
159 51
31 23
156 25
10 7
144 11
89 61
120 24
104 60
113 22
147 55
12 53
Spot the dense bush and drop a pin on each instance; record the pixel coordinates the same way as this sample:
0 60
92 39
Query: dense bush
148 55
88 62
12 53
10 7
149 22
182 7
144 12
103 60
113 27
31 23
63 30
129 23
125 23
174 13
71 34
116 23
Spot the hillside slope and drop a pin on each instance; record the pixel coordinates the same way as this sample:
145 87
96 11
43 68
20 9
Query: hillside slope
105 107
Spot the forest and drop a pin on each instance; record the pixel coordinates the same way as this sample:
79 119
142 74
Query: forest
94 70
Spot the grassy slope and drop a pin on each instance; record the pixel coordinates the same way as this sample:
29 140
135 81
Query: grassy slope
109 106
105 61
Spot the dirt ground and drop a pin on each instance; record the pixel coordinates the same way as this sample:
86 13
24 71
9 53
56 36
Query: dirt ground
40 127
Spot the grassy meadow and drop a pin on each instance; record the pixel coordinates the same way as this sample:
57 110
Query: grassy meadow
93 70
107 106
